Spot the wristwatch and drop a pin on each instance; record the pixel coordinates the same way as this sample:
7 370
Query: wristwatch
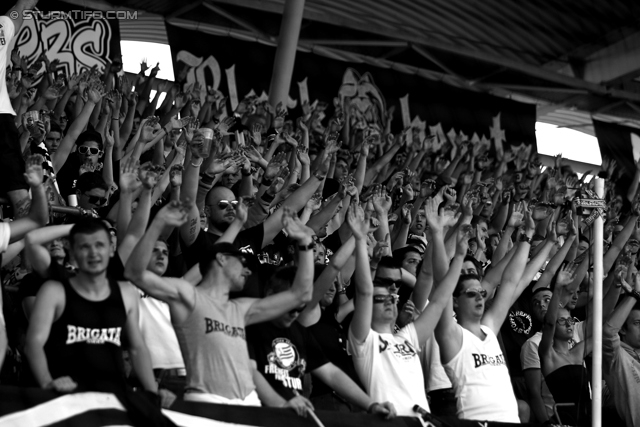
308 247
634 294
524 238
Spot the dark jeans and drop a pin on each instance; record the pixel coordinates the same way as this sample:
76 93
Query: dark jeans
443 402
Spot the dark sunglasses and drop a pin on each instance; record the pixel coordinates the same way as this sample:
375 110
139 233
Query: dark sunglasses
83 149
383 299
240 258
98 201
224 204
473 293
298 310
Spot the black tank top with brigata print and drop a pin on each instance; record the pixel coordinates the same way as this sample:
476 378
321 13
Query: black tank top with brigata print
85 343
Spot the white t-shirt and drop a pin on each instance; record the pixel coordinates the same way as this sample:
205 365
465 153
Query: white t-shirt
481 379
436 376
530 359
389 368
7 30
158 333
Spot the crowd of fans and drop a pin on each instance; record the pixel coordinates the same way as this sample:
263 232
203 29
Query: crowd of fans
221 256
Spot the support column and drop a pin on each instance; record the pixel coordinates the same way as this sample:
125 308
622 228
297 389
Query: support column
596 379
286 51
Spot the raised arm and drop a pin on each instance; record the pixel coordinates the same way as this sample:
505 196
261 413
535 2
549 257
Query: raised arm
428 319
175 292
558 258
37 255
38 215
59 158
361 323
275 305
311 313
560 296
494 316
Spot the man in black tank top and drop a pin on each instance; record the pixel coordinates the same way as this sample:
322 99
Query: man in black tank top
78 325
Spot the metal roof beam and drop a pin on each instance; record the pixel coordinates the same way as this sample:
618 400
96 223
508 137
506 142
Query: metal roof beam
470 53
236 20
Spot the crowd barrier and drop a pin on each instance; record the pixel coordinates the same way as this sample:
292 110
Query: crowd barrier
32 407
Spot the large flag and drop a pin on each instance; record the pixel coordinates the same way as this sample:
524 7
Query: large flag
372 90
622 144
31 407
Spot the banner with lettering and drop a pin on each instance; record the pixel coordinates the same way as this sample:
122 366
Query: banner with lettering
78 37
432 108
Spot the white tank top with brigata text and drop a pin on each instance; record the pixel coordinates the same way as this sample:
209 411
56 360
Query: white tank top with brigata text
481 379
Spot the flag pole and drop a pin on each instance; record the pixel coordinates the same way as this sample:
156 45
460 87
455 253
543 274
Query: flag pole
596 378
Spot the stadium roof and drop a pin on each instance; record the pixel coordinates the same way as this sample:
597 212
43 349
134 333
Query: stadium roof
574 58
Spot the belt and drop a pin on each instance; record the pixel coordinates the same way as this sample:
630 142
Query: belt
173 372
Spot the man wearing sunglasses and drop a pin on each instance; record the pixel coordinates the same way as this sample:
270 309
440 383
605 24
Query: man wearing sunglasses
221 213
88 151
469 349
209 325
92 191
284 351
388 364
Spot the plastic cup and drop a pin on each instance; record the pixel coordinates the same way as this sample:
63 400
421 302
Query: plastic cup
205 149
72 200
32 117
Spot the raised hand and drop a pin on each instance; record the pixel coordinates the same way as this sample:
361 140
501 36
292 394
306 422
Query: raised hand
356 220
541 212
303 155
406 213
149 175
381 249
552 235
566 275
154 70
129 181
464 234
221 164
294 228
281 113
143 66
315 202
529 223
434 219
517 215
256 133
174 213
382 201
225 124
34 173
273 168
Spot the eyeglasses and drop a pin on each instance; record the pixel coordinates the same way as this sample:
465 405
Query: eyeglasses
473 293
240 258
95 200
298 310
566 321
83 149
383 299
224 204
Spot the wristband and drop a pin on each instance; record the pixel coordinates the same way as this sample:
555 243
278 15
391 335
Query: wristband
268 197
246 173
318 176
197 165
207 179
266 182
308 247
635 294
524 238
